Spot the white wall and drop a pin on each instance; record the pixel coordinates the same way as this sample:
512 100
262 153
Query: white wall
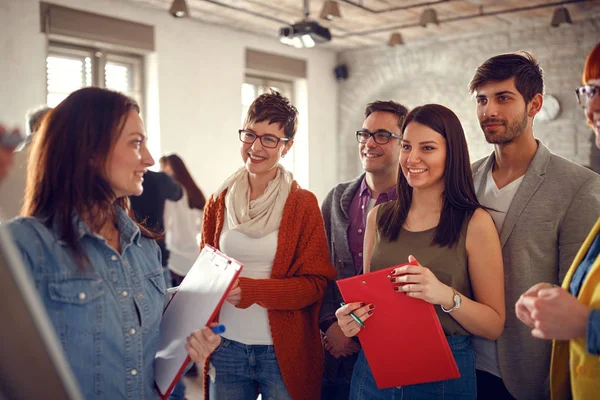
194 79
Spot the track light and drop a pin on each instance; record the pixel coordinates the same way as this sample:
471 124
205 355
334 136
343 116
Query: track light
179 9
561 16
330 10
429 16
395 39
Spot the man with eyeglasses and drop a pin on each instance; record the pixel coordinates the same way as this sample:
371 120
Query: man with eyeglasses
543 206
345 211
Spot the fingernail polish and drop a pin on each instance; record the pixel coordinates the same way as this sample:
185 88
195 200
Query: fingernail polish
372 306
370 312
362 304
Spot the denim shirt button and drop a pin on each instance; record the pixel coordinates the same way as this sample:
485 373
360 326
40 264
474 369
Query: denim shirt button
134 372
132 331
82 296
114 258
124 293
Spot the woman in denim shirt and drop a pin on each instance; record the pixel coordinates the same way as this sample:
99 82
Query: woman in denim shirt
97 271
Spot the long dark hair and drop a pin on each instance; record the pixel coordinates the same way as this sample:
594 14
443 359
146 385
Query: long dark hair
66 166
181 174
459 201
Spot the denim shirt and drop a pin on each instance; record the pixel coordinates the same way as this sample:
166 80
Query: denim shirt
107 316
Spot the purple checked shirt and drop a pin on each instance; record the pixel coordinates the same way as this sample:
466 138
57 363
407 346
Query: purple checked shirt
358 219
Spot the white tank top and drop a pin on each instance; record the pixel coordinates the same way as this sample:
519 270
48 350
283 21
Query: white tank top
251 325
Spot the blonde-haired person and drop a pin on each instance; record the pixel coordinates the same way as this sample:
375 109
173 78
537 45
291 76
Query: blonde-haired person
570 315
262 217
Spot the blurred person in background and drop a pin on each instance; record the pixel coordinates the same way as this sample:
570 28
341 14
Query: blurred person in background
12 190
183 219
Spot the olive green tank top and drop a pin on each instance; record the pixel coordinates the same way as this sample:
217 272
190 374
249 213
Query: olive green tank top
449 264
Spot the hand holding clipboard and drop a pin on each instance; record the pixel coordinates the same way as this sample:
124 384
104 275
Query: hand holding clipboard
194 305
421 352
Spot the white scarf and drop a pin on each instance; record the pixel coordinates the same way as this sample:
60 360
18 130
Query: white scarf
255 218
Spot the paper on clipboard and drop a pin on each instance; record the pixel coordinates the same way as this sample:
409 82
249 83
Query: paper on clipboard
410 326
194 305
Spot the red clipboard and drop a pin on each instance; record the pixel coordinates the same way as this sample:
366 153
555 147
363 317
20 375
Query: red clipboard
403 340
195 304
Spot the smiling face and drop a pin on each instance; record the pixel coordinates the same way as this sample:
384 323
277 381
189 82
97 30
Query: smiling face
501 111
129 159
261 160
423 156
592 111
380 158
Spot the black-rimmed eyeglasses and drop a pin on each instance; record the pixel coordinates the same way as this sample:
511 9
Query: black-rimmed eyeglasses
586 93
268 140
380 137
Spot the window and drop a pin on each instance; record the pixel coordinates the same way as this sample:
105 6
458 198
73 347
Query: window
72 67
255 86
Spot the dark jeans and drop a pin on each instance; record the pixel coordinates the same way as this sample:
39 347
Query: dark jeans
363 385
490 387
337 376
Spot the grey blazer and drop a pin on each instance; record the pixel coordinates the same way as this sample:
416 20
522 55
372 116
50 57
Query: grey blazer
549 218
335 209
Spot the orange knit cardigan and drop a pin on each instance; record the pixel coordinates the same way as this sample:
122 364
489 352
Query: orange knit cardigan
294 292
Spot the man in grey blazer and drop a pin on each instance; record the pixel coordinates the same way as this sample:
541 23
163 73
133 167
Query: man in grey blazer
345 211
543 206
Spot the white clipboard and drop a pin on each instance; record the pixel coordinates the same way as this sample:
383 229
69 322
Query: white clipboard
194 305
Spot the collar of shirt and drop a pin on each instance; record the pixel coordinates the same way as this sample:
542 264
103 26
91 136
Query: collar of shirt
129 230
388 195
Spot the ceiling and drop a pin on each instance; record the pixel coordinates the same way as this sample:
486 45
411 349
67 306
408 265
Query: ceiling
369 23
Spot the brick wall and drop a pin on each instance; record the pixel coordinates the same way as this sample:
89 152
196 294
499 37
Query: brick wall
439 72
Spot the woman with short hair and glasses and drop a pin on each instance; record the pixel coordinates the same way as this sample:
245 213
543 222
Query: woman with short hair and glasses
570 315
261 217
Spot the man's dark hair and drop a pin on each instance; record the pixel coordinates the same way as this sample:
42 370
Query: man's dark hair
387 106
523 66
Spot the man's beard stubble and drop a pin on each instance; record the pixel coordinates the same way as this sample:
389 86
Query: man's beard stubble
512 130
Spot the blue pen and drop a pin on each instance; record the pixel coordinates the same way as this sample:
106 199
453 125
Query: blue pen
218 329
358 321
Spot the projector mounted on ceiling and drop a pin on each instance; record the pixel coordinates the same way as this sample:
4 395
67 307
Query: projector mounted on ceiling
305 33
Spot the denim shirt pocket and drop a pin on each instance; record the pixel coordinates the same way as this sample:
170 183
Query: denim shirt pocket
154 291
77 305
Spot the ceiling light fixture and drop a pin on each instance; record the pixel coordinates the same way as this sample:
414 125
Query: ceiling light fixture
561 16
395 39
330 10
179 9
429 16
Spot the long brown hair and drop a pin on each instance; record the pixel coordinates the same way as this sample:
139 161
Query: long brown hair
460 200
181 174
66 166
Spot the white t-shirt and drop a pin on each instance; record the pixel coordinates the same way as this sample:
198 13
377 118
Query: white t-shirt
498 199
183 227
251 325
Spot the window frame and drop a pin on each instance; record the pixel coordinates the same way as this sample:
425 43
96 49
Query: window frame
100 56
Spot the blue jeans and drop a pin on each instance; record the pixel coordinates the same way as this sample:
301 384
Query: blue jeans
363 385
243 371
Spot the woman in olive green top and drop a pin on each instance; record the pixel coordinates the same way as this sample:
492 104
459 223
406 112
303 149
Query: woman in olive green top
437 221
